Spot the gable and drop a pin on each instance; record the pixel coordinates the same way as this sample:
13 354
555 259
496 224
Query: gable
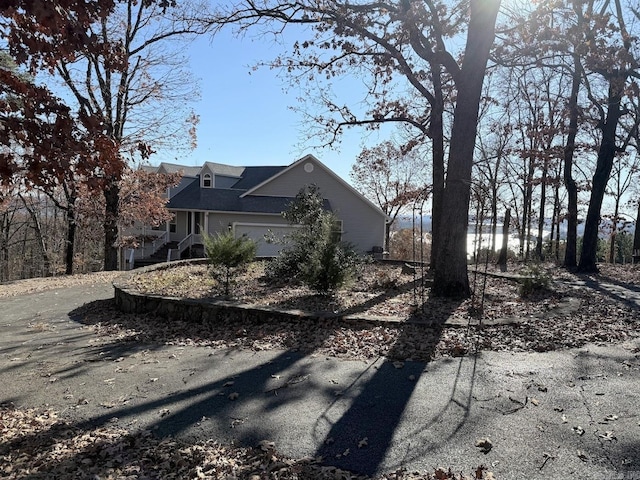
309 170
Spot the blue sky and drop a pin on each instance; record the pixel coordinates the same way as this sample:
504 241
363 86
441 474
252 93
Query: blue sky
245 117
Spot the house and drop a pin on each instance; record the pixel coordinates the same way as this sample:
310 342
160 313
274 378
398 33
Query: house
250 201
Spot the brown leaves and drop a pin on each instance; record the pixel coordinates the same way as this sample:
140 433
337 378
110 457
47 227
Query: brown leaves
36 443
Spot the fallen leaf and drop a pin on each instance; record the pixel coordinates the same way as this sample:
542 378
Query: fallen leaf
609 435
266 445
485 445
398 364
233 396
579 430
228 384
363 443
535 401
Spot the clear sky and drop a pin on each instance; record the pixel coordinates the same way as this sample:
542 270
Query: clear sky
245 114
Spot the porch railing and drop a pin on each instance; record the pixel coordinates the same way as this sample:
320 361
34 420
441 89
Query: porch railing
147 249
187 242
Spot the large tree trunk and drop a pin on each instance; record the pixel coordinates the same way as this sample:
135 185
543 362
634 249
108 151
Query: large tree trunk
436 132
450 274
571 250
606 155
112 197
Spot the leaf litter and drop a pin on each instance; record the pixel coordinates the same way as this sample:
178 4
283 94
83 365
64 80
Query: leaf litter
37 444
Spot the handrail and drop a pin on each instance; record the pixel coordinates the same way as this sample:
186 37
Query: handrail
184 243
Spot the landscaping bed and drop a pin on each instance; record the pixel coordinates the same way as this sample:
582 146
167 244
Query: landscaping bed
539 322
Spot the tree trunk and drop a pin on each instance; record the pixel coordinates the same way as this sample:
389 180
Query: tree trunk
112 197
71 240
543 198
571 249
614 231
39 237
450 274
527 210
436 132
555 243
636 237
502 258
5 226
606 155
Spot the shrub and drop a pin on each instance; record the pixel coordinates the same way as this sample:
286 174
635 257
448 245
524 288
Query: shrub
314 253
534 279
405 245
228 255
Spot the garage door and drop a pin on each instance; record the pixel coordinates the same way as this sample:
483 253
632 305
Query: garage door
259 232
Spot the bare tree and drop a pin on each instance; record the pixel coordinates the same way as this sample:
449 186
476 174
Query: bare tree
391 178
393 42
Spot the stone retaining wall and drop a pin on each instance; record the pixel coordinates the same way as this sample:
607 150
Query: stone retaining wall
129 300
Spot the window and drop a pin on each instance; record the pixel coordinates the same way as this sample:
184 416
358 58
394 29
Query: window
173 225
206 181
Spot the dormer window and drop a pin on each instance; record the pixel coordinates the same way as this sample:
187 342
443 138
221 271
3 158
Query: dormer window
206 181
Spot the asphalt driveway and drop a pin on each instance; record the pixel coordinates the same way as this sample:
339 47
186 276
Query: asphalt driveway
566 414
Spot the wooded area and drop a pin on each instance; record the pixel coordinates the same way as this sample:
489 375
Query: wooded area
511 106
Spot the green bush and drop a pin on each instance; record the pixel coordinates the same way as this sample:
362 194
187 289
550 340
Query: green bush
228 255
534 279
314 253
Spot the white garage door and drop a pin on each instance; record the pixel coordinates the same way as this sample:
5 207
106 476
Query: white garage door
258 232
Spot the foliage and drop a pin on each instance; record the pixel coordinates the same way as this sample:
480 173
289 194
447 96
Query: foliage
403 243
112 58
394 47
534 279
390 177
143 197
314 253
623 248
228 255
330 263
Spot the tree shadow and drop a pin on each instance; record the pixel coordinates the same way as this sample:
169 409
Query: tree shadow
359 429
371 407
616 290
328 306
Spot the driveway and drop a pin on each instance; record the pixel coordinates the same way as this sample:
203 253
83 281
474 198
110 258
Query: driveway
564 414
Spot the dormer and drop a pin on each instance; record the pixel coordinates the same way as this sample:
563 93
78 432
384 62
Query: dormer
207 181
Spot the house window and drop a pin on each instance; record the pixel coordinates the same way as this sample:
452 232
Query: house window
337 230
206 180
171 227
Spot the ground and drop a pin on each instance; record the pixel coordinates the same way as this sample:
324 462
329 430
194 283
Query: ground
600 314
569 313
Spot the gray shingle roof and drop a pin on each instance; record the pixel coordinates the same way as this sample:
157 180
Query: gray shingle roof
228 200
226 170
174 168
252 176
